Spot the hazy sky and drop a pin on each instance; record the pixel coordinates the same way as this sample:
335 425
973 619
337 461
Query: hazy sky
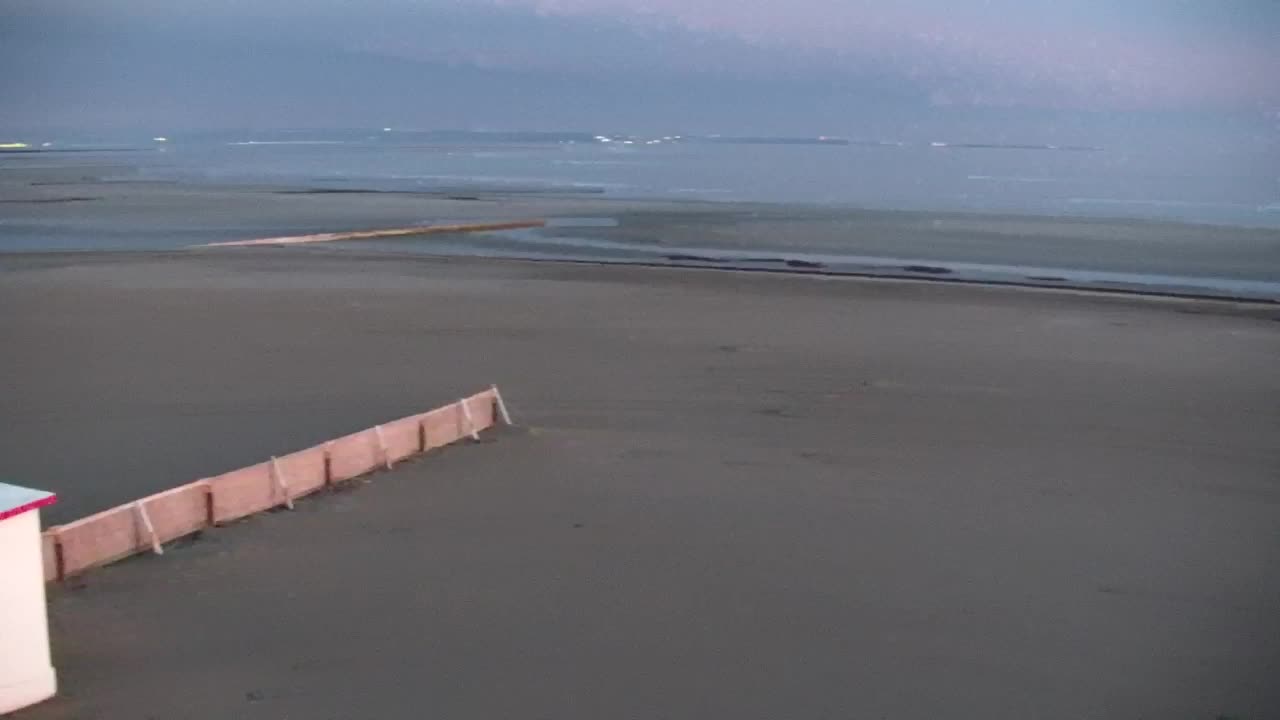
1087 52
765 65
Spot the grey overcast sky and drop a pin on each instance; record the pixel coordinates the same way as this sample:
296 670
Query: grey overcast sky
741 65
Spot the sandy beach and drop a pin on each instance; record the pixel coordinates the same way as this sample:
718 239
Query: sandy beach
731 495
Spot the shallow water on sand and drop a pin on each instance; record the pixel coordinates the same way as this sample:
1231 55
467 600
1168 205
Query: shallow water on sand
822 212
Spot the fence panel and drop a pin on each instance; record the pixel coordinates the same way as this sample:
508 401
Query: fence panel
402 437
303 471
49 549
99 539
354 455
178 512
243 492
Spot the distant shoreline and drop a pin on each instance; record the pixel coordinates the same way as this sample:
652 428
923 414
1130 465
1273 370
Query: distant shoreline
32 260
65 209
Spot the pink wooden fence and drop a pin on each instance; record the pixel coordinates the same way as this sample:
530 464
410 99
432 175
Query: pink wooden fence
148 523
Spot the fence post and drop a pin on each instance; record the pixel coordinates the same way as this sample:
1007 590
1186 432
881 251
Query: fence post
471 423
140 511
282 484
59 563
208 503
383 453
502 406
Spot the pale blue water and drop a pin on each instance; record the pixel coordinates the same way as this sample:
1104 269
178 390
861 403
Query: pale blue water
1234 184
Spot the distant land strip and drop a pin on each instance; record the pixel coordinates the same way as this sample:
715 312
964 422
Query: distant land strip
388 232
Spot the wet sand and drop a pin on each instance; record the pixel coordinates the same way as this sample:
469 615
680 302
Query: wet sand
732 495
62 209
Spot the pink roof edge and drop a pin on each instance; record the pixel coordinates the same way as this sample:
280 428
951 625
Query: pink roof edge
15 500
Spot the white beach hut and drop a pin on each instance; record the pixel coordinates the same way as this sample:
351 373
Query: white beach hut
26 668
